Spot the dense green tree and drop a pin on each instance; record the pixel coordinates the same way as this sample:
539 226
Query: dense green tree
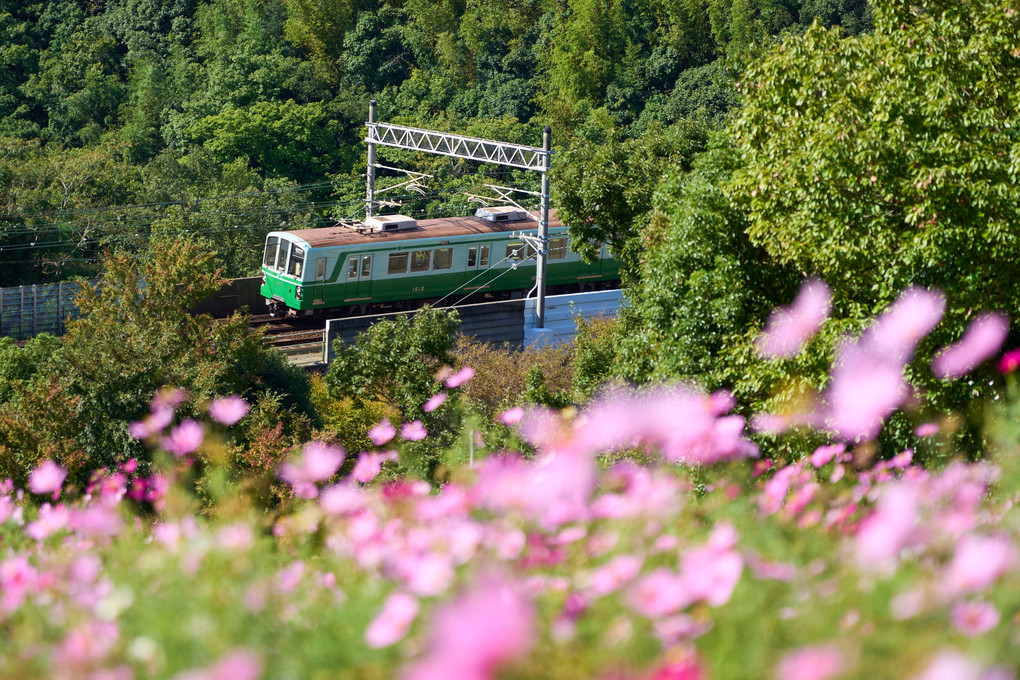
135 337
604 191
397 361
891 158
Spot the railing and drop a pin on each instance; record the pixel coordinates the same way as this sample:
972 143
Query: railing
27 311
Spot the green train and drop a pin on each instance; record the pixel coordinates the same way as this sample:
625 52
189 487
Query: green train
394 262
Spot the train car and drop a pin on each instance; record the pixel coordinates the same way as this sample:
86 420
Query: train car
396 262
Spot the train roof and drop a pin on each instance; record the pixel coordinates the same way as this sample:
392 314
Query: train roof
445 227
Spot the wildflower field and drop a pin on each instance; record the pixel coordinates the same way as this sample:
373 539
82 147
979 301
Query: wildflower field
649 534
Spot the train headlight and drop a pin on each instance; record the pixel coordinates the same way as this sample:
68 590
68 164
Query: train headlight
297 292
263 279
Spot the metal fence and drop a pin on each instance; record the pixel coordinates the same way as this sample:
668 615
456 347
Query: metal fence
27 311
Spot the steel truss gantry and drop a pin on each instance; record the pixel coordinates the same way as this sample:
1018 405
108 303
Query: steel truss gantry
473 149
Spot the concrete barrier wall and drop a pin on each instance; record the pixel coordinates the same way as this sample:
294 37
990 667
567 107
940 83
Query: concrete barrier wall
509 321
561 312
493 322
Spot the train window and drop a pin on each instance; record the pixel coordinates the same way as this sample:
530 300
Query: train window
420 260
272 244
297 261
398 264
518 251
281 258
443 258
483 256
366 266
472 256
557 248
320 268
352 268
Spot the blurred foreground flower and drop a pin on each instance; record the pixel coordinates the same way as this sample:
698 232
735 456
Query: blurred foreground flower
789 328
982 339
318 463
228 410
48 478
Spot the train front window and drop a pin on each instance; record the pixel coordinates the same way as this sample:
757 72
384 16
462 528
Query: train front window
281 258
272 245
297 261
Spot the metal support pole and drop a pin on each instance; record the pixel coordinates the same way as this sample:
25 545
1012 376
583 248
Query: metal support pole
60 307
543 231
370 193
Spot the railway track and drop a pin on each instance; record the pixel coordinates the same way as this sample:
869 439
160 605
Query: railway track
301 341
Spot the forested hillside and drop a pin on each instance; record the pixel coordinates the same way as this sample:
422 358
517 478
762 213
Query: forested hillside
127 120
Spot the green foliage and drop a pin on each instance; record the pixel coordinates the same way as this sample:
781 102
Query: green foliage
396 361
595 347
703 282
135 337
889 158
284 139
604 191
537 392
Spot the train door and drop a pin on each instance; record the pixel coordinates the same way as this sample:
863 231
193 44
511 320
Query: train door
359 278
319 287
477 264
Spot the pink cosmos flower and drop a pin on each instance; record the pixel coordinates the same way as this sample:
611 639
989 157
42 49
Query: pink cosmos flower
897 331
615 574
892 527
228 410
659 593
341 499
687 668
974 618
51 520
382 432
978 562
48 477
460 377
413 431
367 468
17 578
926 430
434 402
1010 361
812 663
865 390
240 664
318 463
711 572
487 626
511 416
185 438
788 328
87 645
824 454
393 622
951 665
983 338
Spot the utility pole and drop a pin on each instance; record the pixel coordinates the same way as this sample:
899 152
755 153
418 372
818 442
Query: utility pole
370 193
543 230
